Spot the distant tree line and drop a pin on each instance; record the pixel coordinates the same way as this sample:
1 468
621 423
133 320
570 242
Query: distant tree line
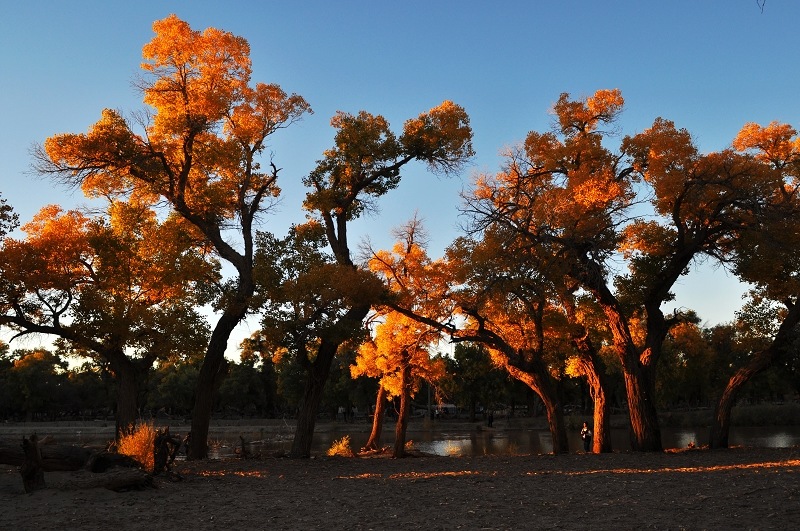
40 385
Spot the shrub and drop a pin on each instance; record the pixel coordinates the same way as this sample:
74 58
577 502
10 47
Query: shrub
341 448
139 444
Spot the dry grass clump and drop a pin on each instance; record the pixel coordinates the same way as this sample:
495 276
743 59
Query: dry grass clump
139 444
341 448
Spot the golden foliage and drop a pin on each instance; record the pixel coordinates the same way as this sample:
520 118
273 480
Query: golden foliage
341 448
139 443
776 143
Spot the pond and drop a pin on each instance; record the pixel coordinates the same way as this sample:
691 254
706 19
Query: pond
523 441
444 440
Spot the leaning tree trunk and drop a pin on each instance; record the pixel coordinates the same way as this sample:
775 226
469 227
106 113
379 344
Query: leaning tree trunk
721 423
402 417
540 382
601 439
374 441
208 380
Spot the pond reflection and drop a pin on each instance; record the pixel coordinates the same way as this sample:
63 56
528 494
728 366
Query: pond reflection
522 442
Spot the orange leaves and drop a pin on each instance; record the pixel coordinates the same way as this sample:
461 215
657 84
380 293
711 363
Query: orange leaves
442 137
56 253
605 104
583 117
198 75
646 237
662 154
399 342
201 146
596 193
776 143
262 111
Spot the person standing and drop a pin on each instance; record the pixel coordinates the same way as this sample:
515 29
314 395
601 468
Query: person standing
586 435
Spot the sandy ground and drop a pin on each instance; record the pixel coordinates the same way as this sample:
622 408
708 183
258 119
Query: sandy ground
741 488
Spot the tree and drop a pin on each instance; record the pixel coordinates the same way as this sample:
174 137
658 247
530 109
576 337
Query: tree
364 164
38 378
472 379
399 355
566 191
9 220
200 153
399 352
766 256
119 290
509 308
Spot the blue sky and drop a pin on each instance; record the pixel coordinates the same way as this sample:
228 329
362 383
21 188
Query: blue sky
710 66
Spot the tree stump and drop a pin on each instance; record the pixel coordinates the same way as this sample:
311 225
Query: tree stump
31 469
165 449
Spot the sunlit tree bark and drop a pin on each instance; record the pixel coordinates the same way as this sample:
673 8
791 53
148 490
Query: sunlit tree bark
375 436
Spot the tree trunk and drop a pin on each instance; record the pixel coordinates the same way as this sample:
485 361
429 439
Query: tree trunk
55 457
540 382
645 431
602 423
721 423
317 374
211 373
127 397
642 412
601 439
402 416
589 367
374 441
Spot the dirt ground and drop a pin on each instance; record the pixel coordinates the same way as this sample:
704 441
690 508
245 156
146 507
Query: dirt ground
740 488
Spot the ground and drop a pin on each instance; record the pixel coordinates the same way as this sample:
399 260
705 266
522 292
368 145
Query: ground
740 488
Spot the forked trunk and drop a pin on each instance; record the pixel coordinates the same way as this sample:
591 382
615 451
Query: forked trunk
374 441
317 375
645 434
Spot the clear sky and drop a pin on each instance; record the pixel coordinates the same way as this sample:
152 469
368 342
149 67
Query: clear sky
710 66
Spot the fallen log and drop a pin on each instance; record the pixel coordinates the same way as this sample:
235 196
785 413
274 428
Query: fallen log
55 457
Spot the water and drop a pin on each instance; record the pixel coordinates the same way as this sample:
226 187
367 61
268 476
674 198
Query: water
440 441
528 441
